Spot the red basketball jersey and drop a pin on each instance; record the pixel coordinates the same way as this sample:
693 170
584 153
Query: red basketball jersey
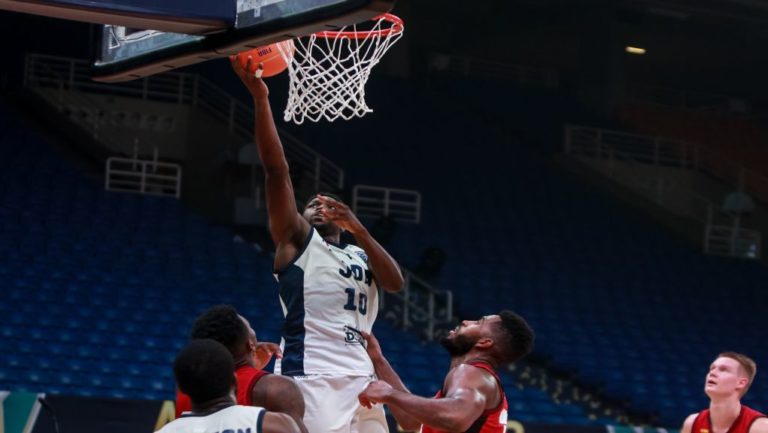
703 422
492 420
247 377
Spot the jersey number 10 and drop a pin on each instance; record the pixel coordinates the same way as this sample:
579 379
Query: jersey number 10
362 301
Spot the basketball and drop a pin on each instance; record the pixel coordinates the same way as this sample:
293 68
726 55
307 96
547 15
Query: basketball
269 56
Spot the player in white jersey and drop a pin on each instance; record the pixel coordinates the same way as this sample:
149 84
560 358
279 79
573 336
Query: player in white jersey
328 291
205 371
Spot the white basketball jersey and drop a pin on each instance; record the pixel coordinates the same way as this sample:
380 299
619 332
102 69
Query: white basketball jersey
243 419
328 296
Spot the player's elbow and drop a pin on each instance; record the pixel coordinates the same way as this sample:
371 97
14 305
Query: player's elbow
394 284
458 422
409 424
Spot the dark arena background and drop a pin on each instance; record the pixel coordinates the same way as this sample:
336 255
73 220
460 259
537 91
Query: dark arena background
600 167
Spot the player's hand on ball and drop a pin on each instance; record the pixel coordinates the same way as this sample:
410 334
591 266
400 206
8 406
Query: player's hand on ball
340 214
252 81
376 392
264 352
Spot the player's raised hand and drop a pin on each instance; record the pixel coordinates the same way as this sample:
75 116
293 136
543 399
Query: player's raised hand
372 346
252 80
376 392
340 214
263 353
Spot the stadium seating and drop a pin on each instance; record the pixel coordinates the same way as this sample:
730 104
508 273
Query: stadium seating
636 311
98 290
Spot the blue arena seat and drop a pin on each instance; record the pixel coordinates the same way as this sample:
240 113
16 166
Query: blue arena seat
614 297
628 307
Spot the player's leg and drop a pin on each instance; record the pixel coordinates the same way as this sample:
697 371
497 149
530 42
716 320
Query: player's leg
370 420
367 420
329 406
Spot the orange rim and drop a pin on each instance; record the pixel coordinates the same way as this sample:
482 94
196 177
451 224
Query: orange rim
396 27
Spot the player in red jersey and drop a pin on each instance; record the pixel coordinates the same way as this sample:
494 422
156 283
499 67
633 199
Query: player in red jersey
472 399
729 378
205 371
255 387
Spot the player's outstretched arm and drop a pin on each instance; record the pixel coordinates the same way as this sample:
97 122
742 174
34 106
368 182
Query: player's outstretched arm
280 394
468 389
385 372
688 424
384 267
285 224
278 423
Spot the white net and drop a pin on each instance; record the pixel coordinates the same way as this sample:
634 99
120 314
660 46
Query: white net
329 70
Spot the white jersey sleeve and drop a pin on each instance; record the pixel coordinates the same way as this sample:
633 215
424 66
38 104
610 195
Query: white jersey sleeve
328 296
243 419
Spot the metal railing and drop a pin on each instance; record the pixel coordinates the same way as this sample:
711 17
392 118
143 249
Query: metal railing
81 108
635 151
722 233
67 74
375 201
732 241
143 177
419 306
603 143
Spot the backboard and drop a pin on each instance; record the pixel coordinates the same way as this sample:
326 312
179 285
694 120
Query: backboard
183 16
127 53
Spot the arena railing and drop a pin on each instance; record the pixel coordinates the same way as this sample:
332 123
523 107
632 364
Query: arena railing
660 151
732 241
69 74
79 107
419 303
419 306
375 201
723 234
142 176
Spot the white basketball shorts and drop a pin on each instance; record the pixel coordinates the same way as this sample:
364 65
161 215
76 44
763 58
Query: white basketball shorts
331 405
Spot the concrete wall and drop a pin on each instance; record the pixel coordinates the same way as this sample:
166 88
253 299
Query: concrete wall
676 189
129 122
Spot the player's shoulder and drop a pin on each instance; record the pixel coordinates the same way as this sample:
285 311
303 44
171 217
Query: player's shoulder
688 423
357 250
760 425
469 375
276 384
274 391
240 410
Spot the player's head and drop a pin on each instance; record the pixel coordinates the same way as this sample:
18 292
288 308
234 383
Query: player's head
204 370
312 215
223 324
505 336
730 374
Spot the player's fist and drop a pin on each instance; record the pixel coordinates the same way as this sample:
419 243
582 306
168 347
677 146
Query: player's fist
263 353
376 392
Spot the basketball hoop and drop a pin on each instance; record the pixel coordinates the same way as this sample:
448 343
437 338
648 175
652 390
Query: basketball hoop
329 70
